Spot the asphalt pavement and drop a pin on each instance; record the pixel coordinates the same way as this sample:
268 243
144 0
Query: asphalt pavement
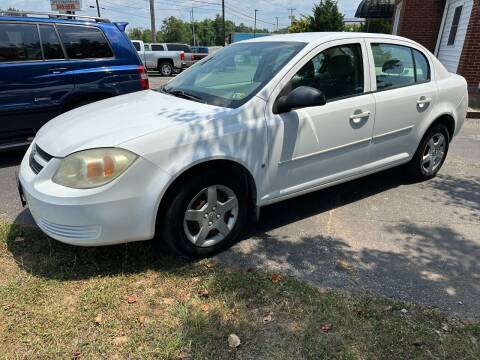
415 242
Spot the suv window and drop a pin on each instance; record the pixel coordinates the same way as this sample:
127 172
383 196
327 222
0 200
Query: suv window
52 49
19 42
158 48
397 66
179 47
83 42
337 72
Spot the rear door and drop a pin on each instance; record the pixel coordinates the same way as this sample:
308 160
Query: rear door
404 97
34 78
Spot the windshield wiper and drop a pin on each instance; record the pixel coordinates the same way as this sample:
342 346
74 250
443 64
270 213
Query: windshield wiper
183 94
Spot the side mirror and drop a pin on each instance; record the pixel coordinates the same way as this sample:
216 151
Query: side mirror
301 97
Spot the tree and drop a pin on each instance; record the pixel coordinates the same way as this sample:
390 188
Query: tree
300 25
176 30
326 17
380 26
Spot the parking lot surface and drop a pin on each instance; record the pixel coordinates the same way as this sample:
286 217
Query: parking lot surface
411 241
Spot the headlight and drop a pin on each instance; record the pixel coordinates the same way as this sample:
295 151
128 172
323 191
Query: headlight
93 168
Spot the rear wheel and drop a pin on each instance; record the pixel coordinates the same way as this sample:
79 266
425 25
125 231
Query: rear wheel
165 68
431 153
204 215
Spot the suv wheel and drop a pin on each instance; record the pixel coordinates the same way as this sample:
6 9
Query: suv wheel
165 68
431 153
205 215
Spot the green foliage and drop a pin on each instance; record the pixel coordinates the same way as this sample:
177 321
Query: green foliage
208 32
380 26
326 17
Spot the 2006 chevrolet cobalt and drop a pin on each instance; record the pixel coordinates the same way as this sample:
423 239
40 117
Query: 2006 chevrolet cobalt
258 122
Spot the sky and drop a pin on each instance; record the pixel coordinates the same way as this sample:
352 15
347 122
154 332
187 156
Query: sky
136 12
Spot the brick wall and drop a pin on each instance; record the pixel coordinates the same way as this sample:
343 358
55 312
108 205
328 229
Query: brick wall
469 66
420 20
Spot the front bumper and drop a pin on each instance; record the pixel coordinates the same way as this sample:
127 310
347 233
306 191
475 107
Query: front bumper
119 212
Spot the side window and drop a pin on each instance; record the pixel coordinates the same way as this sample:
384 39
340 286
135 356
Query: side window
84 42
157 47
19 42
136 45
337 72
393 66
51 43
422 69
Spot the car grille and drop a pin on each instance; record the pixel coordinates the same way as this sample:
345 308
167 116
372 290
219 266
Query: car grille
38 154
69 231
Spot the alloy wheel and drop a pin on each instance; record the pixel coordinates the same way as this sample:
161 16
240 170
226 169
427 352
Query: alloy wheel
434 153
211 216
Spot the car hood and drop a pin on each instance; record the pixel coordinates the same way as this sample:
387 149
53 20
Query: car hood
108 123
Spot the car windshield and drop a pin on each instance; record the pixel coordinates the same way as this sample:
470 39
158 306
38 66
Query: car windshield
235 74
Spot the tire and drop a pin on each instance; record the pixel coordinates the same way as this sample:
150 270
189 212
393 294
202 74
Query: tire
165 68
431 154
199 237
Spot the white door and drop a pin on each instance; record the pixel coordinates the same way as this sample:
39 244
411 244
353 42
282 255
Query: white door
452 34
318 145
405 94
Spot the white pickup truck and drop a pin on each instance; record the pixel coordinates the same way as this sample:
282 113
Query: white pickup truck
166 62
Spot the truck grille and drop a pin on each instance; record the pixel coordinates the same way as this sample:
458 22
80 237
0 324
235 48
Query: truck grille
36 155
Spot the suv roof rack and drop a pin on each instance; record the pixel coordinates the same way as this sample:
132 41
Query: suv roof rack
53 15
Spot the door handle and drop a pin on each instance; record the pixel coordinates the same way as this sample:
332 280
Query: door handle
58 70
423 102
359 116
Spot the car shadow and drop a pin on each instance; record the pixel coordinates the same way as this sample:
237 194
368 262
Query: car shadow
11 158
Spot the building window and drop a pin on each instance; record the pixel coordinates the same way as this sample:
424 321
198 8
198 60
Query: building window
454 29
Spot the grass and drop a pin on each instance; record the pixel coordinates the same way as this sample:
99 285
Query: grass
58 301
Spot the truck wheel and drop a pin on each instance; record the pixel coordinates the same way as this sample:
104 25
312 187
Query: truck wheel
165 68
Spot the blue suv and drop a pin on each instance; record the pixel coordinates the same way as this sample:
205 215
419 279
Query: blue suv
50 64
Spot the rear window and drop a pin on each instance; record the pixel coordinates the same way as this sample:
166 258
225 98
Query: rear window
19 42
52 49
179 47
83 42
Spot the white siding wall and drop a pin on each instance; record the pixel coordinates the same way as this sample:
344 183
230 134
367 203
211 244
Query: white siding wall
449 55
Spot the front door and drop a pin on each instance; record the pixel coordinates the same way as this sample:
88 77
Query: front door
318 145
34 78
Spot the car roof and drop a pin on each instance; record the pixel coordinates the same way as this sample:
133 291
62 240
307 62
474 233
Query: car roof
40 19
316 38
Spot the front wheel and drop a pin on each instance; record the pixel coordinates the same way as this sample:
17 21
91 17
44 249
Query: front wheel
431 154
204 215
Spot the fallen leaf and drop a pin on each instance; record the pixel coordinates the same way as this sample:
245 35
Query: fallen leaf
211 264
205 307
275 278
203 293
268 318
233 341
99 319
132 299
76 355
326 327
19 239
343 265
120 340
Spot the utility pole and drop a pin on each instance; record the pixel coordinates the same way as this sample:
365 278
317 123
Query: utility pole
291 15
255 27
277 23
152 21
193 28
223 22
98 9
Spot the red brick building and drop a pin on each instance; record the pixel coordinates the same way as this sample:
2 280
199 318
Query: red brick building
448 28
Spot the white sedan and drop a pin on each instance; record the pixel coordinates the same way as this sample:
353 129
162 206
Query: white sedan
259 122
